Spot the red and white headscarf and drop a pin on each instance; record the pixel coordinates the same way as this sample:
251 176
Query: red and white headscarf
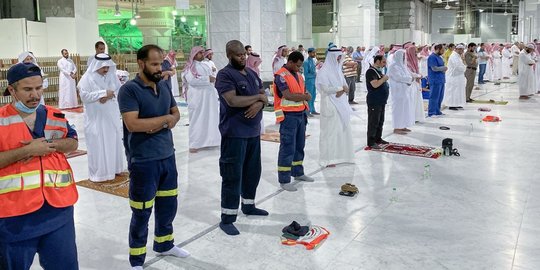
412 59
190 67
278 55
253 62
208 52
425 51
394 48
171 57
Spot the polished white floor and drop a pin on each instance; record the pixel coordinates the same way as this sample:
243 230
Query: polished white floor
477 211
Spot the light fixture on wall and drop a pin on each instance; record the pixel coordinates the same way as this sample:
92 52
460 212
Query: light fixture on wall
480 10
196 23
117 9
133 20
439 2
137 15
183 19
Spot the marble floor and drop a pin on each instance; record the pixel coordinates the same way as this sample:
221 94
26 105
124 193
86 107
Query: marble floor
476 211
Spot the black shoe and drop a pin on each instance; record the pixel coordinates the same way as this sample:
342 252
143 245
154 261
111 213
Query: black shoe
453 108
315 113
375 147
381 141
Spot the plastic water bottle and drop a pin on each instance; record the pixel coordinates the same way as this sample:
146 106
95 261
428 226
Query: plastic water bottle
394 197
427 172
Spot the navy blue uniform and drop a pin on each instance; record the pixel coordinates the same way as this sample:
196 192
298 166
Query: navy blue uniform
292 135
152 169
240 160
48 231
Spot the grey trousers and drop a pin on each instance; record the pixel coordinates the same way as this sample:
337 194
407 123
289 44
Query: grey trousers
469 74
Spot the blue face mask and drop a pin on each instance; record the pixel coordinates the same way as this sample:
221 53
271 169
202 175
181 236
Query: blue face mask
23 108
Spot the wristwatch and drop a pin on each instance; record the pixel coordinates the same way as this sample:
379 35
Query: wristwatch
165 125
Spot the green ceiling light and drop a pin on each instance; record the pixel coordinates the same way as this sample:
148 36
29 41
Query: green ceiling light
183 19
133 21
174 12
196 23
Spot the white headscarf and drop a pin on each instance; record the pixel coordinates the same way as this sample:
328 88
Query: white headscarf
368 60
331 74
21 59
398 69
92 78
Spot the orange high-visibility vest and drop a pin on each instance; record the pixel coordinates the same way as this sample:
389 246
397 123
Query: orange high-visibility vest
24 186
295 87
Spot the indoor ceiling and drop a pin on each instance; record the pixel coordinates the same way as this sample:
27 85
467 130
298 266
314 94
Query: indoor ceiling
145 3
486 5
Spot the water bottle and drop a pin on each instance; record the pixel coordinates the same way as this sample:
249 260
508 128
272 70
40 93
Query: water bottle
427 172
394 197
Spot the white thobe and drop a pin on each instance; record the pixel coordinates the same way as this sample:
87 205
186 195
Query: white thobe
526 76
103 131
506 63
417 99
489 67
335 141
278 64
454 92
203 108
422 62
403 107
497 65
67 91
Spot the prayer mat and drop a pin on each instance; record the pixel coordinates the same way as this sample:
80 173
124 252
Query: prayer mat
410 150
76 153
491 118
311 240
273 136
75 110
491 101
119 186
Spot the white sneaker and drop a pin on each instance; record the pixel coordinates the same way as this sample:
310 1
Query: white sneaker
288 187
304 178
176 252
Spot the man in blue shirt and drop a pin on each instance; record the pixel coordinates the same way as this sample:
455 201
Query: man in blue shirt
241 99
436 77
310 73
48 231
149 113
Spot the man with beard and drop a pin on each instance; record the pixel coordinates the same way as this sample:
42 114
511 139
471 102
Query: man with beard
436 70
149 113
37 188
100 48
471 61
242 99
526 75
67 91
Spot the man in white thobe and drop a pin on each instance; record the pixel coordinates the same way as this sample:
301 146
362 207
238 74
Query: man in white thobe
506 62
454 93
203 103
67 91
102 122
526 73
335 140
496 55
280 58
208 55
515 50
402 89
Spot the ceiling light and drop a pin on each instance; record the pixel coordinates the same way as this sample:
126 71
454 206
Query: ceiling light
195 23
183 19
447 6
439 2
133 21
137 15
505 13
117 9
480 10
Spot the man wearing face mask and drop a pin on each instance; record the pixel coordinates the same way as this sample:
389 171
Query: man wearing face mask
37 188
436 77
149 113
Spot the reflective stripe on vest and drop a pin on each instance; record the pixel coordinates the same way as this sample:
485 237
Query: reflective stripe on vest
15 182
282 105
10 120
53 178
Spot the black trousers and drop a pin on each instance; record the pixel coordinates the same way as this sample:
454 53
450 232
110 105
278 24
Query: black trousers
375 123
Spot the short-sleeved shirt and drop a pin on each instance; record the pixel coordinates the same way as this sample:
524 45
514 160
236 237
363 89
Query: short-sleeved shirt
135 96
435 60
470 60
48 218
481 57
281 84
233 123
376 96
165 66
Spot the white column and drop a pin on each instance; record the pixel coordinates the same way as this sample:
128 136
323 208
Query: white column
258 23
358 23
86 26
299 23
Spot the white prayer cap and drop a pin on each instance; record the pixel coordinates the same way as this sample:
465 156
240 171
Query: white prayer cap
460 46
531 46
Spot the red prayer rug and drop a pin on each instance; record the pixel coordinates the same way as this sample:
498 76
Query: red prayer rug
409 149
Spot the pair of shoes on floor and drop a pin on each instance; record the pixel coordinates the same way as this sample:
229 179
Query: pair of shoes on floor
348 190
